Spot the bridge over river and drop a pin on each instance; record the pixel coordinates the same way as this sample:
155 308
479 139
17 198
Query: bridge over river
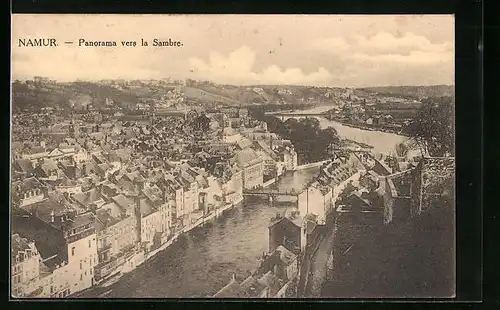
204 260
271 192
292 114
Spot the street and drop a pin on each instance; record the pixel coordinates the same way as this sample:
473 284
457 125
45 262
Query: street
317 271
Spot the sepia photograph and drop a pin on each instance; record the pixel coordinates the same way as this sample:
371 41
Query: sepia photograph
232 156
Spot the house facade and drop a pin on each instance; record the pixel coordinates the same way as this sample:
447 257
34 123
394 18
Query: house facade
253 168
317 200
25 270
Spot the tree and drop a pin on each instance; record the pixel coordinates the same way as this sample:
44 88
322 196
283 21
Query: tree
290 124
401 149
433 129
202 123
331 135
311 124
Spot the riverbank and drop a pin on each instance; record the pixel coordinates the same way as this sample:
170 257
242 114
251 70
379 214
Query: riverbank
360 144
323 109
382 142
311 165
379 128
140 256
182 264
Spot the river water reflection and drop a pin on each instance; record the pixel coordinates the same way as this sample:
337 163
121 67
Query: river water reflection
382 142
204 260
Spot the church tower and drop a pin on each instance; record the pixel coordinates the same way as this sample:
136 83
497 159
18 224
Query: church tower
74 129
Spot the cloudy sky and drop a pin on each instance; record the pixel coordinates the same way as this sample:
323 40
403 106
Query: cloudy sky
332 50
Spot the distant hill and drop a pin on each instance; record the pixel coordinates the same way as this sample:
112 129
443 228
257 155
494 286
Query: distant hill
33 95
414 91
195 94
266 93
63 96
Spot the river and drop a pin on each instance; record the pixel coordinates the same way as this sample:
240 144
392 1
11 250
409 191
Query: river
382 142
204 260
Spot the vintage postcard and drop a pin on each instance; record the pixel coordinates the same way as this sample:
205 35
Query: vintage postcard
232 156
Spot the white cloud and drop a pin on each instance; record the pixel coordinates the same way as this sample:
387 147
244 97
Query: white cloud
237 67
386 43
414 58
301 49
383 43
386 59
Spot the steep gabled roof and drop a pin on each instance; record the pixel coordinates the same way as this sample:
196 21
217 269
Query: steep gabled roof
24 165
251 287
146 207
113 208
104 219
246 158
286 256
231 290
123 202
25 185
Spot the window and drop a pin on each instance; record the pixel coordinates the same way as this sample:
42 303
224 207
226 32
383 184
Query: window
81 276
90 244
73 251
81 265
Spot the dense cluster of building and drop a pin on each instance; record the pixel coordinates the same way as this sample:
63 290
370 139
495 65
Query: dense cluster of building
356 190
294 235
375 112
273 279
364 115
94 196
